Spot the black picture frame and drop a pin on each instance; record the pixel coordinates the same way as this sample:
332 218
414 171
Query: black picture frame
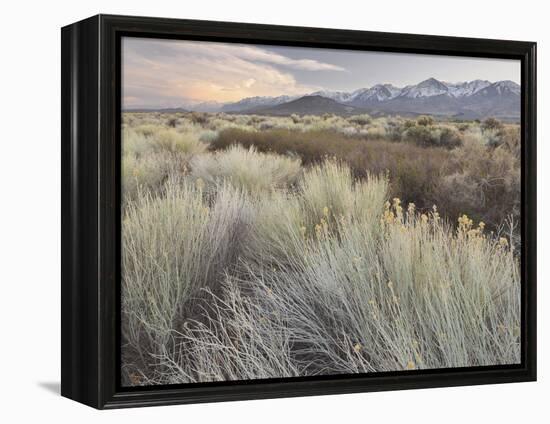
90 180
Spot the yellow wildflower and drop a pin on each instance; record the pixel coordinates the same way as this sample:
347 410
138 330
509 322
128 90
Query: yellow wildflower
357 347
389 217
410 365
464 224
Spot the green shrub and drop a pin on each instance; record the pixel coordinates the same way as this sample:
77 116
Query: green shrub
491 124
449 137
421 135
360 119
198 118
425 121
484 182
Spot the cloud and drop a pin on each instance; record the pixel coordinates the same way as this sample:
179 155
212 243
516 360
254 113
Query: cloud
262 55
164 73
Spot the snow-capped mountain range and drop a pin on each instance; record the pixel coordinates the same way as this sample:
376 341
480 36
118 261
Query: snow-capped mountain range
469 99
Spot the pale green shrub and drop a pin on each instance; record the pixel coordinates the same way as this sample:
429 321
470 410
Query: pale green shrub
149 129
134 142
247 169
376 132
206 136
148 173
330 190
172 141
173 246
363 119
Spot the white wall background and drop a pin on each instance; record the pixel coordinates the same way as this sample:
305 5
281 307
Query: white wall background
30 212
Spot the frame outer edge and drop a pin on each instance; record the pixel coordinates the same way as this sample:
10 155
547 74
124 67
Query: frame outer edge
80 306
89 196
530 188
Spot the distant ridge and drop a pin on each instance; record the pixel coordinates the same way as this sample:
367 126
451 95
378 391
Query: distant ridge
309 105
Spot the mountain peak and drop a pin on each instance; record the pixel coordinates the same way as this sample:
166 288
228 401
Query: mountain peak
507 83
427 88
501 88
430 80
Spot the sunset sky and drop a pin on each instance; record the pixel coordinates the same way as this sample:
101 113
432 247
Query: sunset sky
169 73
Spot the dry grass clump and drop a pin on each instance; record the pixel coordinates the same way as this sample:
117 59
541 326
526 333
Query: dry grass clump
175 245
151 154
148 173
330 192
325 194
246 168
172 141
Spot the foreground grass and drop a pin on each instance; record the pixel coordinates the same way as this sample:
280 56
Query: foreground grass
315 273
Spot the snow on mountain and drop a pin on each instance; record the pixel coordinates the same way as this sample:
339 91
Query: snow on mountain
339 96
394 91
506 87
427 88
467 88
499 89
377 93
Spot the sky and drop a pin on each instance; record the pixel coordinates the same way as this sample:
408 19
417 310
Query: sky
170 73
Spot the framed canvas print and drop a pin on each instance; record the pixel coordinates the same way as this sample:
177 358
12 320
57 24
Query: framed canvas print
254 211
